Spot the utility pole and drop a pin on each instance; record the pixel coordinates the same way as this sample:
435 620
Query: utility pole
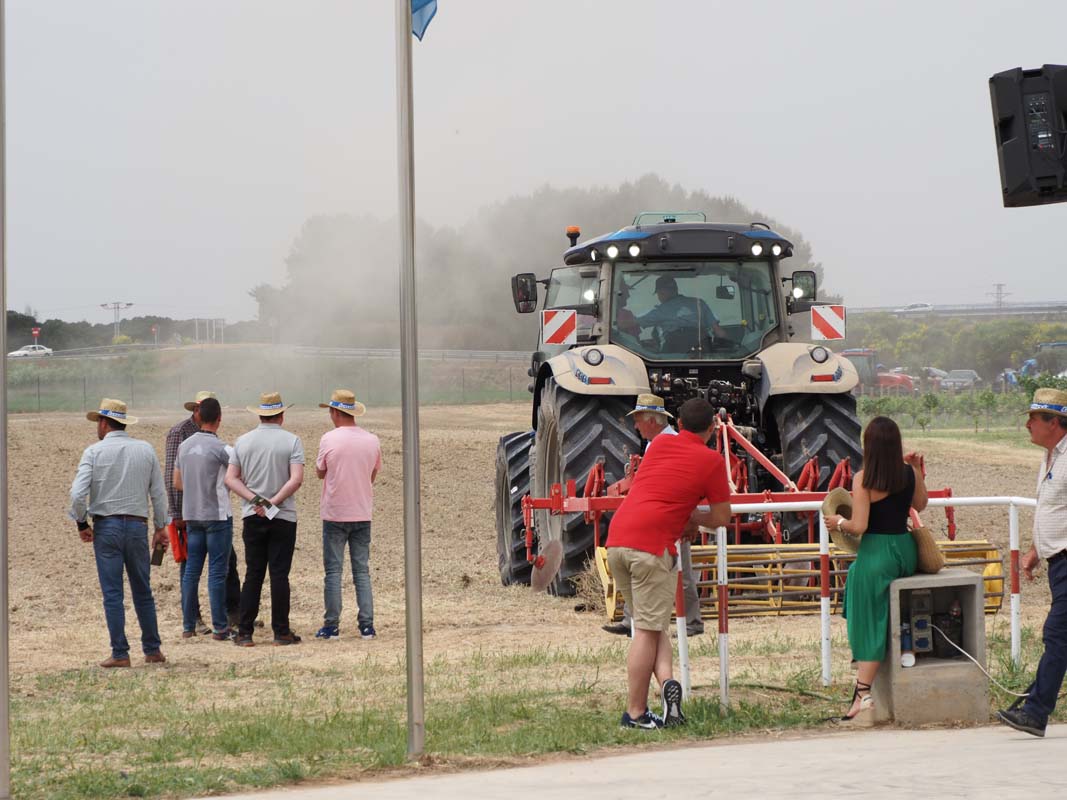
116 307
999 294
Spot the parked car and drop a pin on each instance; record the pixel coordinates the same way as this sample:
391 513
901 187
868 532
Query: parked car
31 351
914 308
961 379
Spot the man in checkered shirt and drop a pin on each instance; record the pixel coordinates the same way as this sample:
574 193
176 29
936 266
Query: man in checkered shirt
175 436
1047 425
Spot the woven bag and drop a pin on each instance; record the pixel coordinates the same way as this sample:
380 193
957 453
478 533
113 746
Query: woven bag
931 559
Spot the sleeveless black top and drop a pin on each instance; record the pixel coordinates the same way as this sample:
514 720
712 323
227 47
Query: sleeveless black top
890 514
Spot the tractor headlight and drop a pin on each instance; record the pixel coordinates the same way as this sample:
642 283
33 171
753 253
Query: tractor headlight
757 249
635 250
593 357
612 251
776 250
819 354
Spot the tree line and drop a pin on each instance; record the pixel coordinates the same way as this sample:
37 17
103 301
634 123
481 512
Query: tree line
986 346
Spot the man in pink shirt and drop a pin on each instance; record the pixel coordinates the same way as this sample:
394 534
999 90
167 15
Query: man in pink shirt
348 462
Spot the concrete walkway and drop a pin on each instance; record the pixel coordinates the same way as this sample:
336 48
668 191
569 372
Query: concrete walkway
988 762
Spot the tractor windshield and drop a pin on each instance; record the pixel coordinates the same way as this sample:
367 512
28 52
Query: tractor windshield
704 310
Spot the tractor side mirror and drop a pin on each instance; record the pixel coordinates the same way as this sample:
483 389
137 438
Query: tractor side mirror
802 292
725 292
524 292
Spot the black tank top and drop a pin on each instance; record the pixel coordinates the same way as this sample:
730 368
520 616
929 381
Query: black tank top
890 514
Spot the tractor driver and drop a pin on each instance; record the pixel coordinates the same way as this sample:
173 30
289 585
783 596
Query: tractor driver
679 316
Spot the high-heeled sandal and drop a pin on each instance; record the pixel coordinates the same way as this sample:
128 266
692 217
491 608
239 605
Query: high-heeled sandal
865 713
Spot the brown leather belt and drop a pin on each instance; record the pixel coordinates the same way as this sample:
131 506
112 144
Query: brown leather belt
124 516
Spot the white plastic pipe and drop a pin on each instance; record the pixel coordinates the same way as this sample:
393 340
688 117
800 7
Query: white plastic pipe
681 622
824 598
724 618
1016 604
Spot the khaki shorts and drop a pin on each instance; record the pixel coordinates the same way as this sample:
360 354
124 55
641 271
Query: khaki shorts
648 583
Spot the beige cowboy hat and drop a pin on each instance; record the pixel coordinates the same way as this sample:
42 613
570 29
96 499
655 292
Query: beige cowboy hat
112 409
270 405
1049 401
192 404
839 501
652 404
345 402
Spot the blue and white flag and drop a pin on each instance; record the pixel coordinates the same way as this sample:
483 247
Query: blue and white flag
422 11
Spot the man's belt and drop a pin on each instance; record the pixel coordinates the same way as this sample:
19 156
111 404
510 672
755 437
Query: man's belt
128 517
1057 556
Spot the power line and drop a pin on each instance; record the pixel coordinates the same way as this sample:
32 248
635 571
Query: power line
999 294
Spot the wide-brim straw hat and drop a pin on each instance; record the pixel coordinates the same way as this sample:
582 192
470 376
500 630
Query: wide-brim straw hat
112 409
652 404
191 405
839 501
1049 401
270 405
345 402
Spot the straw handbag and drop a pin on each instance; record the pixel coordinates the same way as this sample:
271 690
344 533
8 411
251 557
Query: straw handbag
931 559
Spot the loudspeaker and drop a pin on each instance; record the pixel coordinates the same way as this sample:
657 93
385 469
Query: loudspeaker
1030 120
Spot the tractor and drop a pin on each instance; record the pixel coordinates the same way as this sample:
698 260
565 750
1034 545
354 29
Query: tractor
874 377
679 307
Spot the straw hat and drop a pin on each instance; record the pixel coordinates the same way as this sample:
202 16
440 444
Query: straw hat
839 501
345 402
270 405
112 409
652 404
1049 401
192 404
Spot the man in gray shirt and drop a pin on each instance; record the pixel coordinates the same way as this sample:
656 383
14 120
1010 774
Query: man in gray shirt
117 475
266 469
199 473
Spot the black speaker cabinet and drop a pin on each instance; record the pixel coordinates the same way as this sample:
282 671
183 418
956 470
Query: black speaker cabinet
1030 118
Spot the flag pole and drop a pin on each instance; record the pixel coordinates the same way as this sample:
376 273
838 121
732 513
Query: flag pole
409 385
5 682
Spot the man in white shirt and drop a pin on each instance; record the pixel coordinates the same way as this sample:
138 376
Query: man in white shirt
1047 425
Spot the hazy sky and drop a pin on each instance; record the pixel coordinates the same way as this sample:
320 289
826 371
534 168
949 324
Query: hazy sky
167 153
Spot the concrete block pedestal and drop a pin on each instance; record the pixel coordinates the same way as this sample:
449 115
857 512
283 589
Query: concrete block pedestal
935 690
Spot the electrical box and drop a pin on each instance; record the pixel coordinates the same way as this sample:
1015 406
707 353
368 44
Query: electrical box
921 607
1030 121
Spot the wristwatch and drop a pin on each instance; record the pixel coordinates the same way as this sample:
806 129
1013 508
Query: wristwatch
83 525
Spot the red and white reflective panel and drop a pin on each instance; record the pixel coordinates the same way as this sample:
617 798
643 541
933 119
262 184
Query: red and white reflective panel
559 326
827 322
35 331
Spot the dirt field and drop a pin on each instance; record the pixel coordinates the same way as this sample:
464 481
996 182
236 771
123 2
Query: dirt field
56 614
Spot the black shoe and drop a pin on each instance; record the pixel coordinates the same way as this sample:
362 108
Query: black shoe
287 638
647 721
1021 721
694 630
672 704
620 628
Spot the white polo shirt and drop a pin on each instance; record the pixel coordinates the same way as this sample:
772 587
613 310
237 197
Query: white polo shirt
1050 517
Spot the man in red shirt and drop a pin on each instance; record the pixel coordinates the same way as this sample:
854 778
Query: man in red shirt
661 507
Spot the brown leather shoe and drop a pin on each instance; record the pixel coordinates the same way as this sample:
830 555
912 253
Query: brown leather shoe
113 662
188 634
155 658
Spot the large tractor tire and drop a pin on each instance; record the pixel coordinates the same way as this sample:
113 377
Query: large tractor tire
573 431
512 484
823 425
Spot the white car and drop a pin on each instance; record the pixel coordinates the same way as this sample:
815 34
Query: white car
31 351
914 308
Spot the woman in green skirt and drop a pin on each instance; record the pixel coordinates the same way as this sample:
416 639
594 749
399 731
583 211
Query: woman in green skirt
883 492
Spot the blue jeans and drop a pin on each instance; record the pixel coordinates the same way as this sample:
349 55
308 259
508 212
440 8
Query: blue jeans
212 540
1050 670
335 535
122 544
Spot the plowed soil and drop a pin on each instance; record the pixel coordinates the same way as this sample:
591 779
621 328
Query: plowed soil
56 614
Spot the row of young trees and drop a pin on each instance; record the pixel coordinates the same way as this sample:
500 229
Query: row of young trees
982 409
